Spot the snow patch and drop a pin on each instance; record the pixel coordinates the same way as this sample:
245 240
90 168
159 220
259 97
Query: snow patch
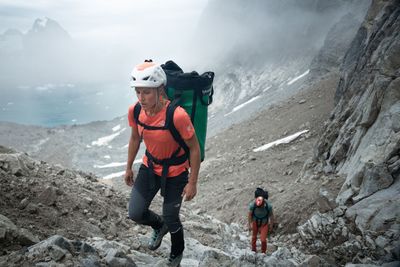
266 89
103 141
107 157
43 22
114 175
242 105
45 87
115 164
284 140
298 77
116 128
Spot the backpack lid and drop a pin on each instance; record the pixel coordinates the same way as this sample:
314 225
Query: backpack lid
260 193
180 80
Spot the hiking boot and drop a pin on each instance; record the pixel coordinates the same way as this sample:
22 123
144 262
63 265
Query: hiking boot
157 237
174 261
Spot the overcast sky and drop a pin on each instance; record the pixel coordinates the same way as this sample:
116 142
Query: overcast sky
119 22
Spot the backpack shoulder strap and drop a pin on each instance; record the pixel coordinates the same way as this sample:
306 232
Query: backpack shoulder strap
253 209
169 123
267 208
136 112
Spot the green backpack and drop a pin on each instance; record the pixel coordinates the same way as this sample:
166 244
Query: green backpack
193 92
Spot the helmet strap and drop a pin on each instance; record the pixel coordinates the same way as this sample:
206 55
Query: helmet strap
159 102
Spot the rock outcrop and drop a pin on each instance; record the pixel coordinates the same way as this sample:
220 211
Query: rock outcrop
362 145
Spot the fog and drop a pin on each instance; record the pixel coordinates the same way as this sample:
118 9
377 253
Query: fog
90 47
103 41
267 31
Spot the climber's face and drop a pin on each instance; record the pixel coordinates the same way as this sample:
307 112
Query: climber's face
259 201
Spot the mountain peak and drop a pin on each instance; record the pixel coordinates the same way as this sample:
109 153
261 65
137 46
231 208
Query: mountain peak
40 23
45 23
12 32
45 28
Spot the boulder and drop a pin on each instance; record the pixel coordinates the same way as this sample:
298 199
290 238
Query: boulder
378 212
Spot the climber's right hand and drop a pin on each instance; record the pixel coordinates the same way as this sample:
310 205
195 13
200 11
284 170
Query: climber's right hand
129 177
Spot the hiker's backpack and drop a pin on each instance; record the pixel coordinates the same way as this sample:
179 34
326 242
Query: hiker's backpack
259 192
191 91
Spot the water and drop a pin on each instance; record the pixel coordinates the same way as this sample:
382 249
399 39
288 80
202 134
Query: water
64 104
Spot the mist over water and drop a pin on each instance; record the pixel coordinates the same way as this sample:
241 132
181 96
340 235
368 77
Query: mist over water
65 104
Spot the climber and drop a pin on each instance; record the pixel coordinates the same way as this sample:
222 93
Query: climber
165 164
260 219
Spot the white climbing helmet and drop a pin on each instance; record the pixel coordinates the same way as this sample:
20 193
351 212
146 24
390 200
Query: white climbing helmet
148 74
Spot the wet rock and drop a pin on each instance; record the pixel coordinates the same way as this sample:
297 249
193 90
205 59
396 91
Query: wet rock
326 200
90 262
213 258
377 212
26 238
10 233
108 192
311 261
23 203
48 196
381 241
339 211
375 178
57 253
15 164
103 246
117 258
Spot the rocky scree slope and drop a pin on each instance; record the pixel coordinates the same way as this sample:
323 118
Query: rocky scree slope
51 216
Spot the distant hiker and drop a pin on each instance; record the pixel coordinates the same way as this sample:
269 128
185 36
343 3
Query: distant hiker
261 218
165 164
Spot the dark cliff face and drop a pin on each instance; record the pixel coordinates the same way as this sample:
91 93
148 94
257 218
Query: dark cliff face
362 138
361 145
368 87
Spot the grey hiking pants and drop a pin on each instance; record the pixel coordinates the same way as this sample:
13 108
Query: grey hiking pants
145 188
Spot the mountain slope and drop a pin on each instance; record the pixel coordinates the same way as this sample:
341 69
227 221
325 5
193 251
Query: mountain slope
341 206
51 216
